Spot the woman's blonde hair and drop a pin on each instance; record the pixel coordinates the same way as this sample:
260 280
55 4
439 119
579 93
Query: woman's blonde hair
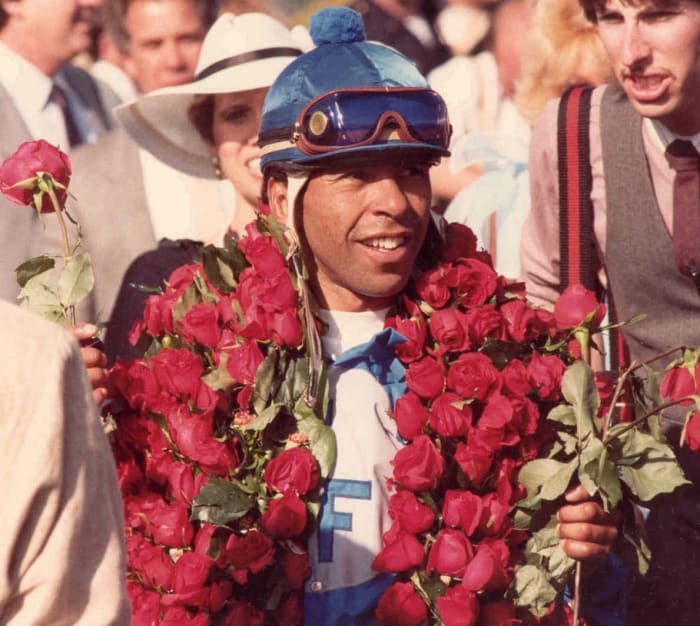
562 49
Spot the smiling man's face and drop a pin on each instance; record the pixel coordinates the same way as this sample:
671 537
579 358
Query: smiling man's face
654 48
362 229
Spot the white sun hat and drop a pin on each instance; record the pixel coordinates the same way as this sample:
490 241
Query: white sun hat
239 53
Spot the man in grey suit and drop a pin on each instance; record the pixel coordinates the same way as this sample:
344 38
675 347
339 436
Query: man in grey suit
37 40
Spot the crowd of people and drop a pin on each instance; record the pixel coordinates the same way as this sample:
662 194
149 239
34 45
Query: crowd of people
183 117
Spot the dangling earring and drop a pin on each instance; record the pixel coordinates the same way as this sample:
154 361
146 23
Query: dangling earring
217 167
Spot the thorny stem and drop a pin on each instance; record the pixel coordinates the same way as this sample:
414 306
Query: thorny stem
630 425
67 253
622 380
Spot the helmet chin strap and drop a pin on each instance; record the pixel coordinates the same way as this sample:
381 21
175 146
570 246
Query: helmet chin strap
295 184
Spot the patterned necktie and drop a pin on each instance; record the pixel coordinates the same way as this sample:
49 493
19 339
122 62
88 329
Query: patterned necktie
58 97
685 160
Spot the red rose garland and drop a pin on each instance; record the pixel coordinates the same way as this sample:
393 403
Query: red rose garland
221 452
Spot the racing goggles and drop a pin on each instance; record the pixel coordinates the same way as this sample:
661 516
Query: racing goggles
350 118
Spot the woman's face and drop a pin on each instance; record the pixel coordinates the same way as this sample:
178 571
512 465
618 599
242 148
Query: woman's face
235 124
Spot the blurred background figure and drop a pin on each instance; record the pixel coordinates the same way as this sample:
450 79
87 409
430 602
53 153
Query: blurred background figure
42 96
562 49
559 49
159 39
62 556
206 128
408 26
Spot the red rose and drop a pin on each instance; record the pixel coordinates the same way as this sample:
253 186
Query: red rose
293 472
692 432
285 517
575 305
449 328
243 362
494 520
262 252
474 282
474 458
545 373
487 570
410 415
432 286
486 322
458 607
153 564
177 615
450 415
30 160
145 605
679 382
418 465
450 553
524 322
409 513
170 525
201 325
177 371
194 437
401 551
251 552
413 330
190 573
286 328
495 419
157 317
296 567
515 381
400 605
460 242
426 377
135 381
473 375
462 509
181 482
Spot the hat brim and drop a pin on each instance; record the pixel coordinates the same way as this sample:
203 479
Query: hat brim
358 154
158 121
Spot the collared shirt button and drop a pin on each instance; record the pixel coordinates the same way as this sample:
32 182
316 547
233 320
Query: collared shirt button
316 586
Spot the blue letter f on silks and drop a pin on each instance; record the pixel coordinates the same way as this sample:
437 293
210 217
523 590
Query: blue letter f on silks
330 519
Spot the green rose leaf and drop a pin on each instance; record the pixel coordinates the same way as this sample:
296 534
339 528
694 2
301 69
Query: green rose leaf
265 418
564 414
219 379
220 502
321 441
33 267
76 280
598 475
265 379
223 266
656 470
42 300
533 589
578 387
547 478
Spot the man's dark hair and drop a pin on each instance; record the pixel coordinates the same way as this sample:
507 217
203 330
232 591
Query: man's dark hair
114 18
592 7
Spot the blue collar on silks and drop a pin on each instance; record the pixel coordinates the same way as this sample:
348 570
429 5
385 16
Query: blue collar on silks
378 358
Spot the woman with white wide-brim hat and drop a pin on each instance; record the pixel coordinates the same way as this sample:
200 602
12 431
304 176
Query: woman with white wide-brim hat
209 127
206 128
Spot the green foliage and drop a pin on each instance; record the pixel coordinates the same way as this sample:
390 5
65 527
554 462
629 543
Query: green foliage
220 502
614 463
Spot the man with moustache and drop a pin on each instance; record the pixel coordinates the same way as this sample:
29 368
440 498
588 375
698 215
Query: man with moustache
644 140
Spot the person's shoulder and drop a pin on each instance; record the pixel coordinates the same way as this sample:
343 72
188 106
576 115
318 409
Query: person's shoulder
23 332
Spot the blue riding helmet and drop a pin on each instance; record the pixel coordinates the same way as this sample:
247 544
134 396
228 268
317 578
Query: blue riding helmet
350 96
